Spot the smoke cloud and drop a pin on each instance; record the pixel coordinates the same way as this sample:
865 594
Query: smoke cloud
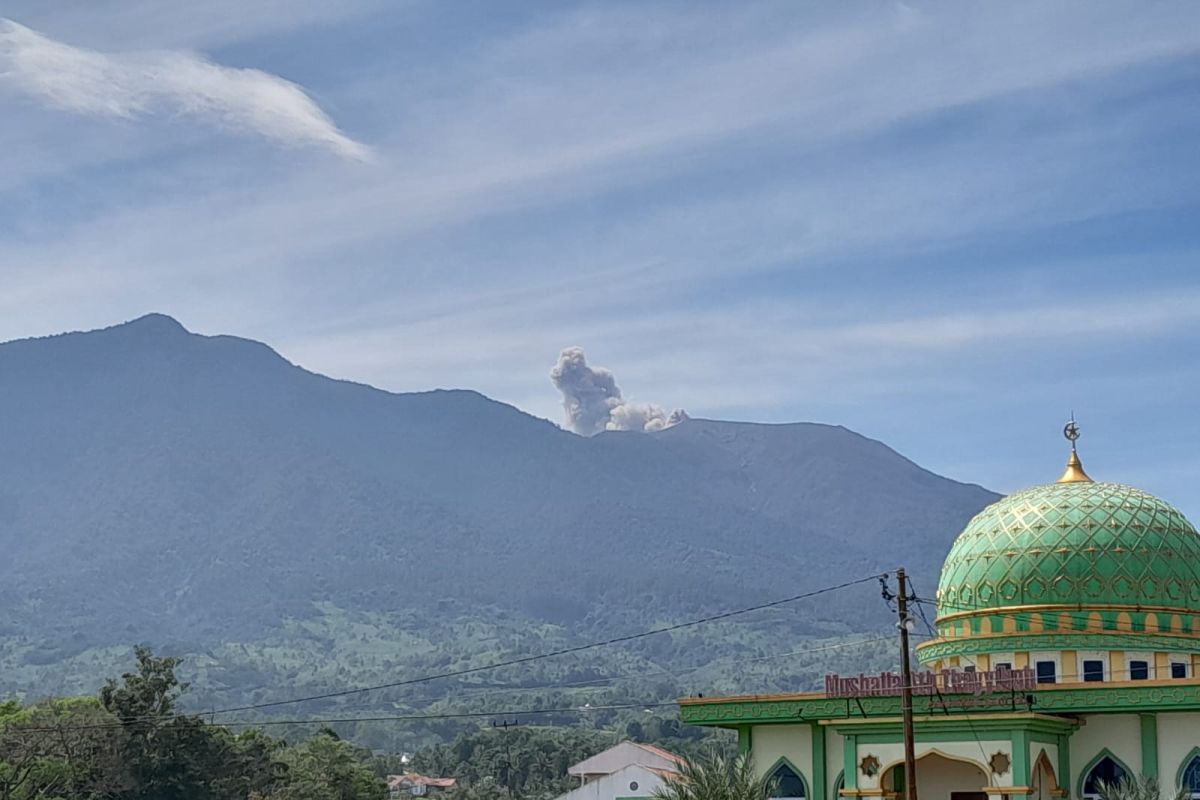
594 403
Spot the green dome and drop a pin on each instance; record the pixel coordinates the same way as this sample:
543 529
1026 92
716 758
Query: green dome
1079 544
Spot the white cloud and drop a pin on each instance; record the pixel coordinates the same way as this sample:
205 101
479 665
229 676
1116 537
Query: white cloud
166 83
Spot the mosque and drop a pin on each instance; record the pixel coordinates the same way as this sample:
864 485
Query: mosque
1066 654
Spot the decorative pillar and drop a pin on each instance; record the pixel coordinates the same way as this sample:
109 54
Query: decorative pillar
1020 759
1149 745
744 739
850 757
1064 763
820 782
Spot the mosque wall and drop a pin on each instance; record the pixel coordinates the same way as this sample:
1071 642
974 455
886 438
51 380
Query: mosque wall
1035 750
892 753
1120 734
793 742
834 759
1178 734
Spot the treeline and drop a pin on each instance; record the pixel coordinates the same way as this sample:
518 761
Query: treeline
129 743
531 762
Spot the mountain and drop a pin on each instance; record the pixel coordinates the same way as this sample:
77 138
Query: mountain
158 485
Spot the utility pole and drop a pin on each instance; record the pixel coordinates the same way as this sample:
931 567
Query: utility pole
508 765
905 624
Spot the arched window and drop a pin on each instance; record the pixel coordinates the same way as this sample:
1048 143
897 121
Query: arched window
838 785
1105 772
788 783
1191 778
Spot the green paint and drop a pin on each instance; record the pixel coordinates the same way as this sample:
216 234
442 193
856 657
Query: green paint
850 762
818 762
1059 640
1149 745
745 737
782 760
1105 753
1064 761
1020 758
1084 545
1097 698
1193 753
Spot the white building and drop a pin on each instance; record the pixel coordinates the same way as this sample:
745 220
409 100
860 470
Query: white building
627 770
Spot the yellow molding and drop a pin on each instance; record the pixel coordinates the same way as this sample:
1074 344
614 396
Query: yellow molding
1074 632
1060 608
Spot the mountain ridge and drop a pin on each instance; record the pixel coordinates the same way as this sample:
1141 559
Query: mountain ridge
161 485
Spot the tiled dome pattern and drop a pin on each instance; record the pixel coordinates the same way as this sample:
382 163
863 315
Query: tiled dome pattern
1080 544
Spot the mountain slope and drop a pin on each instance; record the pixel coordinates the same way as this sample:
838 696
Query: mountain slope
156 483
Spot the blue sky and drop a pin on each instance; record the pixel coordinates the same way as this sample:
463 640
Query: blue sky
944 225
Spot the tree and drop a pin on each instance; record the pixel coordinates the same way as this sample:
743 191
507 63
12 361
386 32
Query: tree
1139 788
56 748
715 777
169 756
326 768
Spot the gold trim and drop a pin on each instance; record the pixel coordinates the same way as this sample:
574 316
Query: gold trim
1059 608
1074 472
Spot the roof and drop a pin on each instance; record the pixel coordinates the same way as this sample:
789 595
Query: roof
658 751
617 784
1066 550
624 754
414 779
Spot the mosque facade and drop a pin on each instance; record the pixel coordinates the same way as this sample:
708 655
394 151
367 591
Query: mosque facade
1066 656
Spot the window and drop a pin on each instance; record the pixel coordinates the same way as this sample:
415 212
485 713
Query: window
1093 670
1191 778
1047 672
999 665
788 784
1178 669
969 668
1107 772
1139 670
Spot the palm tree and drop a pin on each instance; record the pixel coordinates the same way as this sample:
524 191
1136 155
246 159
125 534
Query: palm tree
715 777
1139 788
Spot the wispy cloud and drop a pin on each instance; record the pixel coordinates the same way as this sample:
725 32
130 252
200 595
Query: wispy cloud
166 83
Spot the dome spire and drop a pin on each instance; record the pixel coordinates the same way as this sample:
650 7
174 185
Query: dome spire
1074 472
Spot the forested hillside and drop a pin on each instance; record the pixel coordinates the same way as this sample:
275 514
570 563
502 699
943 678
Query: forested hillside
284 530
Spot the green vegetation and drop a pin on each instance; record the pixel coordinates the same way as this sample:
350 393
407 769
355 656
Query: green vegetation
1139 788
130 744
718 777
532 762
339 649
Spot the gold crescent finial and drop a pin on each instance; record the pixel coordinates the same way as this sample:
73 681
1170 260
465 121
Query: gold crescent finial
1074 472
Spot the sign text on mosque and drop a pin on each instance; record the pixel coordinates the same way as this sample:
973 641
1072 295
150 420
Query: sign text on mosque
887 684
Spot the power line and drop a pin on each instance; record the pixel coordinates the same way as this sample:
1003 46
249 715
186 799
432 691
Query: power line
387 718
591 683
933 632
587 708
552 654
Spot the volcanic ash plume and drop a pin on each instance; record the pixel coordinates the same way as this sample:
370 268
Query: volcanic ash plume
593 401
